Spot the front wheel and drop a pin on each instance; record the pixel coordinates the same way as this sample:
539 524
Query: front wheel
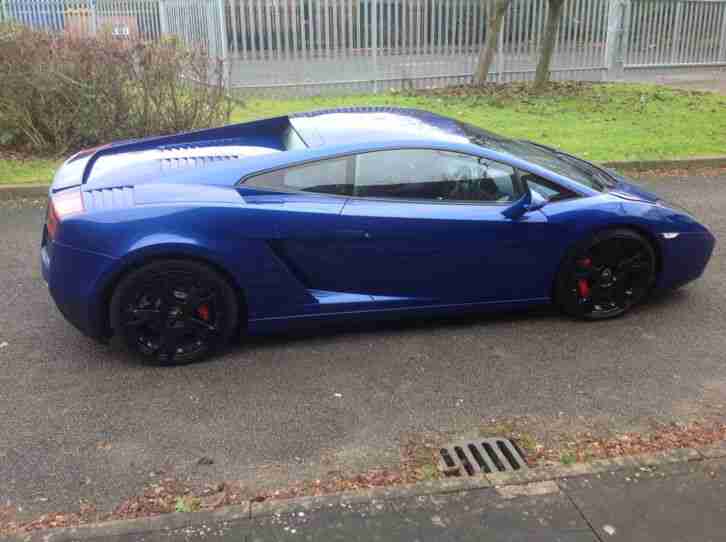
173 312
613 272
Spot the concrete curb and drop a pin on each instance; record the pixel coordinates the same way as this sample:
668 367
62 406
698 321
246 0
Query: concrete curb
30 191
686 163
252 510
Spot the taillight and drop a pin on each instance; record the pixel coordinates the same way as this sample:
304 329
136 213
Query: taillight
60 207
51 222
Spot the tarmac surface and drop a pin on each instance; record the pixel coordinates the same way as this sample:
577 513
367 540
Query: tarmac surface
86 422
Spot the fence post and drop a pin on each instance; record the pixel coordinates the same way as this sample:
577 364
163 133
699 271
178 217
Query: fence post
210 6
374 45
614 41
675 44
94 18
500 42
722 45
223 43
163 21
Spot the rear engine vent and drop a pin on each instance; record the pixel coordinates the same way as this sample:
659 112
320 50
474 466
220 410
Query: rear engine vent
488 456
109 198
191 157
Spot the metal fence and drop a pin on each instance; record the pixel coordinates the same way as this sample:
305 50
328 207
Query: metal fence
314 46
661 33
398 43
125 19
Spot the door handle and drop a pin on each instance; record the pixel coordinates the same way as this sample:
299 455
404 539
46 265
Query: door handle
351 235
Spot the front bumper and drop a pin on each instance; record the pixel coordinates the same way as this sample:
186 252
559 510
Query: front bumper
76 280
685 258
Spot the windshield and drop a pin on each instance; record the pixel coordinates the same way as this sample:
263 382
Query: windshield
557 162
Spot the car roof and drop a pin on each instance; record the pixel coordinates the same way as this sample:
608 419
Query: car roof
351 125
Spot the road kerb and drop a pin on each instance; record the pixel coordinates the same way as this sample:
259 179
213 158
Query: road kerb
309 504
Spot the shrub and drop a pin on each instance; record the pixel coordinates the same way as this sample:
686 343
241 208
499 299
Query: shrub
65 92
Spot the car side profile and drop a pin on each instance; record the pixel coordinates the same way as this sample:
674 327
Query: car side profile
177 244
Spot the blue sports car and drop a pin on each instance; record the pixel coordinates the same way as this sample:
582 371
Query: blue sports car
178 244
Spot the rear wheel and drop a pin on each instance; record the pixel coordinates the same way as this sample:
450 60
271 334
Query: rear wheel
613 272
173 312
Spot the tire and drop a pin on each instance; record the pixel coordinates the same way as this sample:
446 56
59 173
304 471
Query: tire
174 312
606 276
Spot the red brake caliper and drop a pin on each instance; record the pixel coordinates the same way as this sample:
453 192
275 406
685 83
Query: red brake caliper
583 287
203 312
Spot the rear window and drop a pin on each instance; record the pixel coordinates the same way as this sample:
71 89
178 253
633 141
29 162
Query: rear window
325 177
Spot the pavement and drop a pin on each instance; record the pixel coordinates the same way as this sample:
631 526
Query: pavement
83 422
672 502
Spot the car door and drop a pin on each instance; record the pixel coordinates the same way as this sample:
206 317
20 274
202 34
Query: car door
426 226
304 203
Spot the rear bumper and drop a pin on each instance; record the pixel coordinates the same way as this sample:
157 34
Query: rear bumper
685 258
75 280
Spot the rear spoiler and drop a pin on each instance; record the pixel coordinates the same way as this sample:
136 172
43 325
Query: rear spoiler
226 135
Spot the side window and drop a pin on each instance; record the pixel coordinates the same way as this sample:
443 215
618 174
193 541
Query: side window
421 174
548 190
325 177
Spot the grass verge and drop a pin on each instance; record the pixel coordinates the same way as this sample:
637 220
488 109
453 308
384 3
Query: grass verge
600 122
14 170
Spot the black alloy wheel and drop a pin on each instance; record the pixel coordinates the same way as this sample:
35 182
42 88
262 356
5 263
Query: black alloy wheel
174 312
615 271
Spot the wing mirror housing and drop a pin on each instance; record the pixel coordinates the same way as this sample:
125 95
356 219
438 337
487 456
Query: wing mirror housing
530 201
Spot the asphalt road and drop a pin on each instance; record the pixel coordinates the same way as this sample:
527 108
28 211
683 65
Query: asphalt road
82 421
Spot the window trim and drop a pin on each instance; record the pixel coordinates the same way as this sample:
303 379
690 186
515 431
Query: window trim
566 193
351 154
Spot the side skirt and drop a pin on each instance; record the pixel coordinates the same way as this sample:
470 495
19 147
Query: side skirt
259 326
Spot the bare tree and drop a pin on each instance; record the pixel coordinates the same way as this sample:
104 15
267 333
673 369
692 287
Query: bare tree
547 47
494 28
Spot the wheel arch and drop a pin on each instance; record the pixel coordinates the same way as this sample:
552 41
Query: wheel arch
150 254
574 247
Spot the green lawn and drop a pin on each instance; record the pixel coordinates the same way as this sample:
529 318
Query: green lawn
31 171
601 122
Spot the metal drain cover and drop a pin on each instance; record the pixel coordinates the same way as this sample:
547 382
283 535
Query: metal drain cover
486 455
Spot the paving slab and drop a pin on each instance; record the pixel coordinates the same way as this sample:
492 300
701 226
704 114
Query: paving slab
467 516
683 502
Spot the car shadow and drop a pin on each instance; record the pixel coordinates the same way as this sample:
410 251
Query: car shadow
391 326
387 327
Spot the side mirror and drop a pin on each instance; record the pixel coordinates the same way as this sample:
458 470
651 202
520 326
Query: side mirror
538 201
530 201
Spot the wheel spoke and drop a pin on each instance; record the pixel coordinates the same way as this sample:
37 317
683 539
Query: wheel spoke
636 263
201 326
140 317
169 341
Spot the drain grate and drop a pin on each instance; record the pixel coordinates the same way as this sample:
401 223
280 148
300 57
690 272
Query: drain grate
487 455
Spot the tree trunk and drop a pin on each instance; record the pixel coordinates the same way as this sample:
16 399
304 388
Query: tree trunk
494 28
548 43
